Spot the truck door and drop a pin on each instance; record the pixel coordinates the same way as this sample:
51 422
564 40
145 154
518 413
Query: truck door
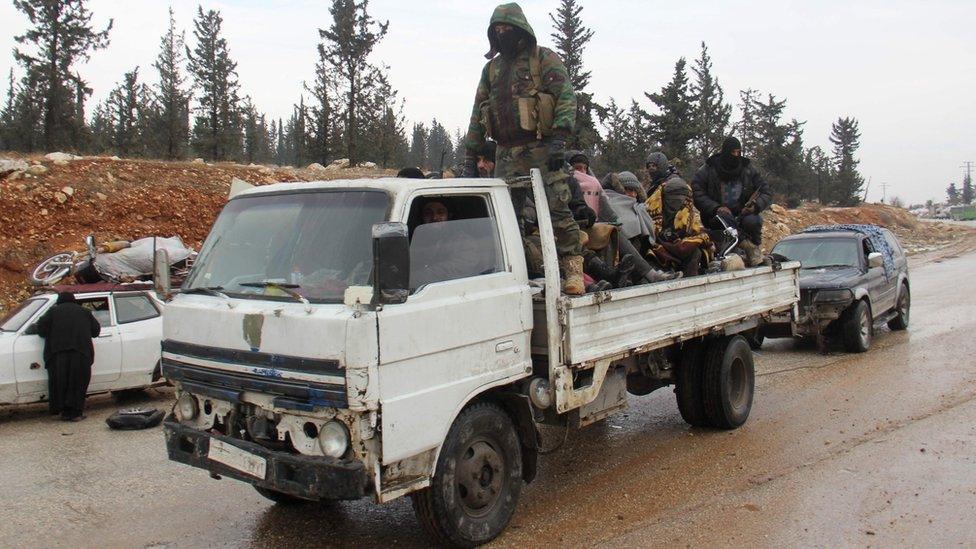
466 323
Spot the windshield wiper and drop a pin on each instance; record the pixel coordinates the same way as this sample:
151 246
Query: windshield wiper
209 290
284 287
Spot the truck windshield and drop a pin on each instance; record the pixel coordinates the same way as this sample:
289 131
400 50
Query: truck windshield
820 253
315 244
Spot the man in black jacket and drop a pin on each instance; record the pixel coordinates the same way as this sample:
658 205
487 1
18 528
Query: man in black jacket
729 187
68 329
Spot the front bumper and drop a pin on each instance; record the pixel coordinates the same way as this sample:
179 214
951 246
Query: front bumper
308 477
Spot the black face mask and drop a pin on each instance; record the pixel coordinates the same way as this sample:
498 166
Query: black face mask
508 43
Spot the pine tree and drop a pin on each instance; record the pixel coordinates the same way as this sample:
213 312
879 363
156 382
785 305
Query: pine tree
385 139
127 105
257 144
417 155
570 37
323 130
281 150
171 125
7 116
346 48
952 194
845 137
670 126
967 189
711 113
820 172
296 135
626 143
217 126
60 36
439 147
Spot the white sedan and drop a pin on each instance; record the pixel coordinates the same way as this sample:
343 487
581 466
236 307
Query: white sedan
126 352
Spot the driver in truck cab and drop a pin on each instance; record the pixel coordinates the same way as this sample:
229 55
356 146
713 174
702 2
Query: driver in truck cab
439 249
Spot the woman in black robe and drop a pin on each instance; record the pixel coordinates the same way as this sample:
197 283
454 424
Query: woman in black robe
68 329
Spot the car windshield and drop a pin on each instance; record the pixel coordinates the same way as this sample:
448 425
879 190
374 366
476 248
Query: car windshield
820 253
16 318
314 244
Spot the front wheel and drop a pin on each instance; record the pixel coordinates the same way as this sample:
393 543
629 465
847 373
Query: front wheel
900 322
477 482
858 328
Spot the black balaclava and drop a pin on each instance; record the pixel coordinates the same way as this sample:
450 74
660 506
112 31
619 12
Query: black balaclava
65 297
729 165
509 43
674 196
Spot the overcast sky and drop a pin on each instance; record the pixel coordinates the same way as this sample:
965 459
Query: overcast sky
905 70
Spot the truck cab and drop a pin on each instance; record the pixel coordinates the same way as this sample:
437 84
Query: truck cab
344 339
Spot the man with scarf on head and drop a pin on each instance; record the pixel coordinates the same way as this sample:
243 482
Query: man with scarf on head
681 242
525 102
729 188
68 329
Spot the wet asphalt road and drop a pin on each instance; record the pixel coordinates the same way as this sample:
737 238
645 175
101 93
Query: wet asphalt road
841 450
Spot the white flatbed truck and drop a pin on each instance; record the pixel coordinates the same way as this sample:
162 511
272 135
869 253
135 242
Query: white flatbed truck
332 342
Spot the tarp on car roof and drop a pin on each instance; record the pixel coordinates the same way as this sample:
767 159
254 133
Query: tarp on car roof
873 233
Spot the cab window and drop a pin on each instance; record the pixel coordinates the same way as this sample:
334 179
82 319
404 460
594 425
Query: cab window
452 237
893 243
99 309
133 308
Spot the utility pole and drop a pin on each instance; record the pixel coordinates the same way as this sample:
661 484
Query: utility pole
884 192
969 168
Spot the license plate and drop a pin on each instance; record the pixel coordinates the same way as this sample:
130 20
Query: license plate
234 457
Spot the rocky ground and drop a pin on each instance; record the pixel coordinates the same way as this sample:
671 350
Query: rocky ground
49 203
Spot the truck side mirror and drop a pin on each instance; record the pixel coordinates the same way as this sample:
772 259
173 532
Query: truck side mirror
161 281
875 260
391 263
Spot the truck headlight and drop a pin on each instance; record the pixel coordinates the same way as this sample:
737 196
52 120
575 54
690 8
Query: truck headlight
187 406
833 296
334 439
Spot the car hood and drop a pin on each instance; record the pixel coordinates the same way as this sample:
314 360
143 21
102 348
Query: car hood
812 279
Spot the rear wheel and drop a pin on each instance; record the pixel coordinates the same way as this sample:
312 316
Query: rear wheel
729 383
900 322
477 482
688 385
858 327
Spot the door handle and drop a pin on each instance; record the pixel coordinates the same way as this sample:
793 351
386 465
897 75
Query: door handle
35 366
504 346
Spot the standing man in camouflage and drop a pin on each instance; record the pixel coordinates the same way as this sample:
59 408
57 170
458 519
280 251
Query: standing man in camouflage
525 102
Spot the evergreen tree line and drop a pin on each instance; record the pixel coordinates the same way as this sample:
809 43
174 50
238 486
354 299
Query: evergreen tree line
689 117
956 196
194 106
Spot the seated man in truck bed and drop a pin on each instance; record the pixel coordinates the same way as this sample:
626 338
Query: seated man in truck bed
681 242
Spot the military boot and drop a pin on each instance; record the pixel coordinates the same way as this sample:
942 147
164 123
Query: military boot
656 275
572 268
753 256
618 276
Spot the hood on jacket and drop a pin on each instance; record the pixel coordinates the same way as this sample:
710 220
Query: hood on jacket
510 14
715 162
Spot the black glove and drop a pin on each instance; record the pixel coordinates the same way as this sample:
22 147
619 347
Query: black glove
557 151
470 167
584 216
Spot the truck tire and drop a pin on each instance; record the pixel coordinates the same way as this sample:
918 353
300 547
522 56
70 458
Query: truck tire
729 382
477 481
902 310
688 385
280 498
858 328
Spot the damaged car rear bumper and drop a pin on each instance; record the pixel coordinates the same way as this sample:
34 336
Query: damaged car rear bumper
308 477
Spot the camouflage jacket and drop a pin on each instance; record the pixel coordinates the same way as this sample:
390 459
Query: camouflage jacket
501 86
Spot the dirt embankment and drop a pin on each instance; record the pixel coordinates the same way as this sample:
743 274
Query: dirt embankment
48 204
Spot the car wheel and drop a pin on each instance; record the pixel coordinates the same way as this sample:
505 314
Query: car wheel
902 310
477 481
858 328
